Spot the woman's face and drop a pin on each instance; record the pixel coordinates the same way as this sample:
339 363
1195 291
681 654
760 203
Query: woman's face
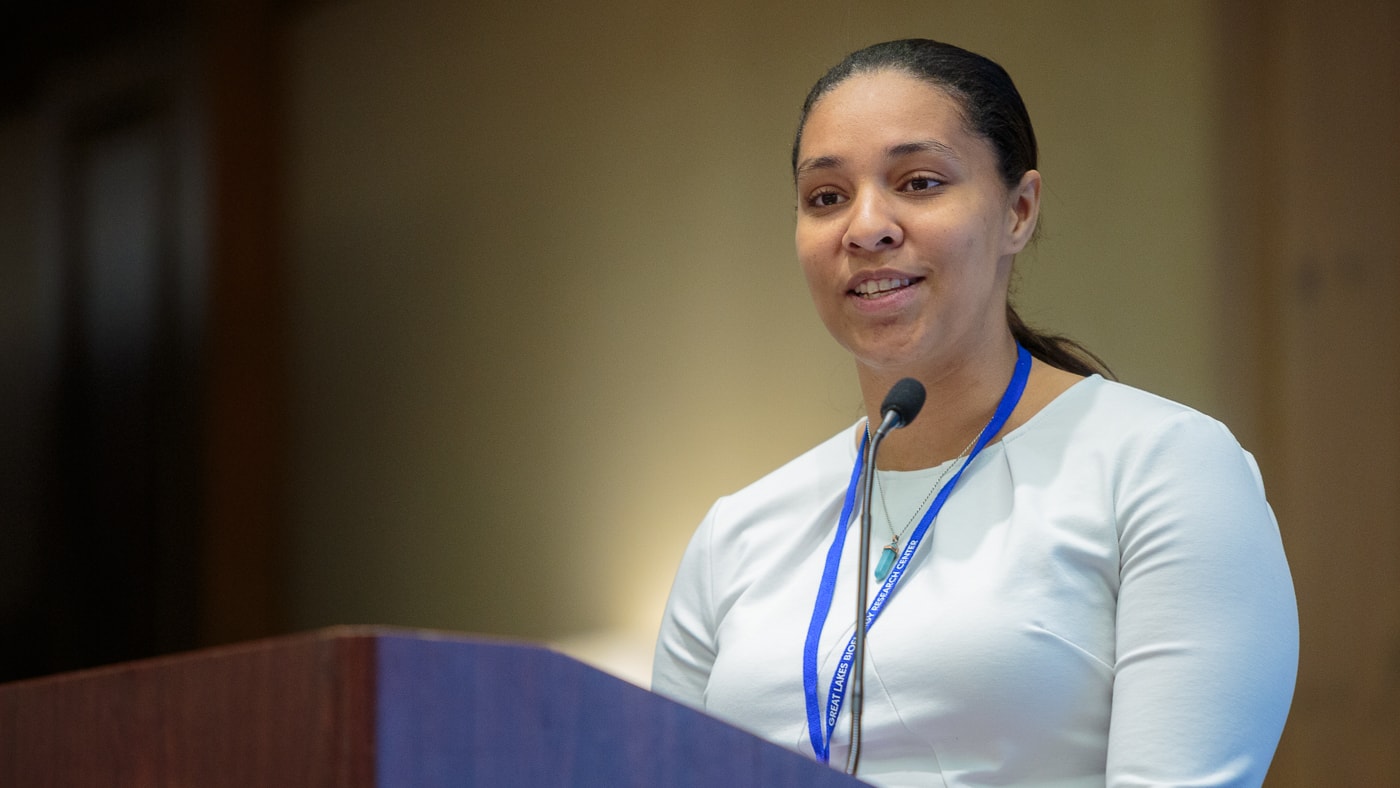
905 230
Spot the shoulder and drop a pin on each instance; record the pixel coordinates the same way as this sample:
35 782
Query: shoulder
1135 443
779 519
817 470
1103 413
1172 477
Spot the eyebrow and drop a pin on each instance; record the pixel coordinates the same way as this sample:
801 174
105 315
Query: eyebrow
895 152
922 146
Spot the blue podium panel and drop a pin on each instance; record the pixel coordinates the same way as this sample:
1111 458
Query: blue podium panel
457 711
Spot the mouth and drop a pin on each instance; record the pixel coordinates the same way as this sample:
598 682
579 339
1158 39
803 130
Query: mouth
877 288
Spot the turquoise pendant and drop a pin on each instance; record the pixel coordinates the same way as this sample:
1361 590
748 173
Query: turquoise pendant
886 563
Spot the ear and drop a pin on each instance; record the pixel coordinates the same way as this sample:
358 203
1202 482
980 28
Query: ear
1023 211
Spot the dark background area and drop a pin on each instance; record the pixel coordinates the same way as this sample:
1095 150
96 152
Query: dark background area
157 150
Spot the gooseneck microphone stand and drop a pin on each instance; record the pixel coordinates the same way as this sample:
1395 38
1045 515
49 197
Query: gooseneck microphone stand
900 407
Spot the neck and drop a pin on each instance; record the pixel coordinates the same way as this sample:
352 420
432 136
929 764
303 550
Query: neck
962 395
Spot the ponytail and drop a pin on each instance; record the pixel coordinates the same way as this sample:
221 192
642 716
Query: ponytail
1056 350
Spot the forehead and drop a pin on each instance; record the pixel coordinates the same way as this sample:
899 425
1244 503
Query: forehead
882 109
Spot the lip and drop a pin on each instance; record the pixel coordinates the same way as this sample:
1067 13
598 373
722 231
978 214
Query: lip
888 298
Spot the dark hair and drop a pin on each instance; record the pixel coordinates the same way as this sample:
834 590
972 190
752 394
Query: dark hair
992 109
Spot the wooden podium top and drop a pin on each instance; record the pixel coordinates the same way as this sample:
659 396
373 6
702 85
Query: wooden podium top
353 707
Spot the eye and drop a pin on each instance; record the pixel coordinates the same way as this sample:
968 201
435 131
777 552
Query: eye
921 183
825 199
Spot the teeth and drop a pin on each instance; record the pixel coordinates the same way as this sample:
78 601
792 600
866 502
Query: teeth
877 286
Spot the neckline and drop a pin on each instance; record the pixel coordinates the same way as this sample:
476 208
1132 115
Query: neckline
852 447
903 477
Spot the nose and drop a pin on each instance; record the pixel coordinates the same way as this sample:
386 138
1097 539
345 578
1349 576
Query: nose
874 226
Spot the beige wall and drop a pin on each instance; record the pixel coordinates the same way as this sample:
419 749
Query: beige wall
545 306
541 284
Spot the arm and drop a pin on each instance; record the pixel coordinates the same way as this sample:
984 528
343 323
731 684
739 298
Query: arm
685 647
1207 627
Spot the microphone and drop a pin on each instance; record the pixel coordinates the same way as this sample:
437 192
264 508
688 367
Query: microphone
902 404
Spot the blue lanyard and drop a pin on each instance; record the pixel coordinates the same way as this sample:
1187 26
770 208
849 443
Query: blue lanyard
821 744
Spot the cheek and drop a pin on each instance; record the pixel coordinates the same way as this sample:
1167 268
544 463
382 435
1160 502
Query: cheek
819 284
970 240
813 256
823 275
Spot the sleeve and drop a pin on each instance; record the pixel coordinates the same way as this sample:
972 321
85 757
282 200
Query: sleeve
1207 624
686 647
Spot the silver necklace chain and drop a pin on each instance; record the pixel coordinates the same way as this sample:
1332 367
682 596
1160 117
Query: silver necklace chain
938 483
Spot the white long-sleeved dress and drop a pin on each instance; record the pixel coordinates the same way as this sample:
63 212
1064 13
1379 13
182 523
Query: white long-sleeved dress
1104 600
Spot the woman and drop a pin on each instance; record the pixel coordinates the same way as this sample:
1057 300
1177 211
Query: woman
1090 587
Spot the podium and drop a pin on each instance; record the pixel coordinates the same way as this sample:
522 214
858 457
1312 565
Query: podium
362 707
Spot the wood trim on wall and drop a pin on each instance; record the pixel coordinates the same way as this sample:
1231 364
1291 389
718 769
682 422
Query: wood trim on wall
246 398
1310 280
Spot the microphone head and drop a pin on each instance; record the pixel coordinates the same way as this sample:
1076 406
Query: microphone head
906 398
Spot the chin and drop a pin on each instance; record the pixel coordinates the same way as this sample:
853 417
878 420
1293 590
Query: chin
882 360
